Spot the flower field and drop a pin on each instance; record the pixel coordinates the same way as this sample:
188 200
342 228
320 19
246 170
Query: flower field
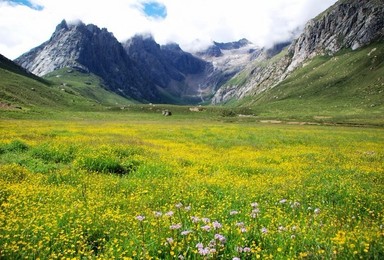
99 189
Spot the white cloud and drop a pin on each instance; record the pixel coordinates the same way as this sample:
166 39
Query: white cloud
190 23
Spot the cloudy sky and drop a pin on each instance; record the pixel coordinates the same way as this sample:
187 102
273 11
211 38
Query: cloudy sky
25 24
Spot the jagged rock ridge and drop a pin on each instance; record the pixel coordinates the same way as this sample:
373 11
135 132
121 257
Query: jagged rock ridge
347 24
177 72
143 70
90 49
227 59
139 68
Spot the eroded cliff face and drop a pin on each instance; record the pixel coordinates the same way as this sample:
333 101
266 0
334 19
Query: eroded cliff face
90 49
347 24
139 69
143 70
58 52
174 71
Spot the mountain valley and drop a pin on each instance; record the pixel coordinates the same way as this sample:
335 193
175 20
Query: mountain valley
333 69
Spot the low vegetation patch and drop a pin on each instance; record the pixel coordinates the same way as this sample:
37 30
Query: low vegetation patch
167 189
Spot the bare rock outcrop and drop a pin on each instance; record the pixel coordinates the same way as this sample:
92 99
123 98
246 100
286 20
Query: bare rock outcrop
348 24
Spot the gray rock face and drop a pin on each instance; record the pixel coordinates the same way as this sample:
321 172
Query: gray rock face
148 56
90 49
178 73
139 68
257 77
183 61
60 51
227 59
143 70
347 24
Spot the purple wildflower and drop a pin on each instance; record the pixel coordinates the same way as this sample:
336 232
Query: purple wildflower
255 212
254 204
169 214
203 251
239 224
175 226
186 232
217 225
281 228
206 220
195 219
295 205
157 214
199 245
221 238
140 218
206 228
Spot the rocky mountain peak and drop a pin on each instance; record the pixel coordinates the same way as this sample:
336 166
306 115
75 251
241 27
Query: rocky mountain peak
168 66
142 69
217 48
232 45
348 24
141 39
90 49
139 44
62 26
171 47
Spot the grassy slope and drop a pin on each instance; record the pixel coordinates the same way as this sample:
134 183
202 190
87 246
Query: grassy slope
86 85
23 92
28 93
9 65
348 88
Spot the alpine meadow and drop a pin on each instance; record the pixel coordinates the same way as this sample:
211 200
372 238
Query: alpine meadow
202 190
136 150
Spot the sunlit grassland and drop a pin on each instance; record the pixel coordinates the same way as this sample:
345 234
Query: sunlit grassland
194 189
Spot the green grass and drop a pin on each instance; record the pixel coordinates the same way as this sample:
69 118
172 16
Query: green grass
80 177
142 188
26 93
345 88
86 85
9 65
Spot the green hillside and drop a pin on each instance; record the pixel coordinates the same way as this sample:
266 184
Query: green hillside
86 85
61 90
9 65
347 87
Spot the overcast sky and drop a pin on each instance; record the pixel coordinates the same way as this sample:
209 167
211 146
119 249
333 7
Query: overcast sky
25 24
